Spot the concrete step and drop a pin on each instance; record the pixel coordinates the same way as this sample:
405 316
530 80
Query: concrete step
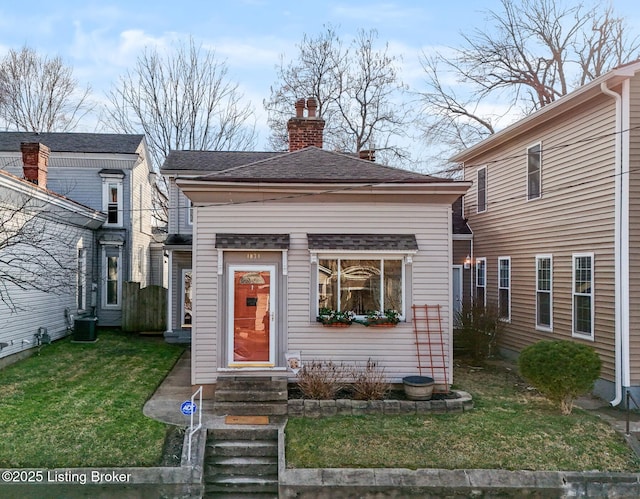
262 383
240 466
250 408
242 433
244 484
242 448
251 395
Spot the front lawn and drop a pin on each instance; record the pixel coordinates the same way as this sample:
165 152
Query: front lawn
80 405
511 427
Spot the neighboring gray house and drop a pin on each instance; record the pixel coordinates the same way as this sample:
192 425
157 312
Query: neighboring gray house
47 253
274 237
110 173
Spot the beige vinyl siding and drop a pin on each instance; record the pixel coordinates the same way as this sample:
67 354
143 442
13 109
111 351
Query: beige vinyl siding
394 348
575 214
634 231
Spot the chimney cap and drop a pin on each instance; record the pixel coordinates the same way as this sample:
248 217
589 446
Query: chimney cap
299 108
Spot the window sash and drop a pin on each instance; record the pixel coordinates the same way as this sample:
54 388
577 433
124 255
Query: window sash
583 310
481 280
544 300
482 189
534 170
112 202
504 288
361 284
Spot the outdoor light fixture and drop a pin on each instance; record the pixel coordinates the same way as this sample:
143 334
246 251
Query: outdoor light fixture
467 262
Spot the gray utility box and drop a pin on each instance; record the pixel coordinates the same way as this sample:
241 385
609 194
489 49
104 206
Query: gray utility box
84 329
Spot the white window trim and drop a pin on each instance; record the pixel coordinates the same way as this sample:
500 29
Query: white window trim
364 256
539 327
574 333
537 144
486 189
508 259
106 181
105 305
484 286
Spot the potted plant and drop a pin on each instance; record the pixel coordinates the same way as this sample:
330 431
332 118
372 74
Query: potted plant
335 318
388 318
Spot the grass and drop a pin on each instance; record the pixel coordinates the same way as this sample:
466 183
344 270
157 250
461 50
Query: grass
80 405
511 428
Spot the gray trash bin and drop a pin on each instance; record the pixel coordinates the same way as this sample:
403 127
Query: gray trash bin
84 329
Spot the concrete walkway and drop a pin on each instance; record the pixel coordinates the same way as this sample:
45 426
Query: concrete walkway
164 404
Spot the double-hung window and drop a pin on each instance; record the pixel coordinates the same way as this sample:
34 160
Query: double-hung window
504 288
544 297
481 281
583 310
361 284
112 198
534 172
481 189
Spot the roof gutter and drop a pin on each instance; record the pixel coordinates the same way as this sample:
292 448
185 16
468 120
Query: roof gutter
621 240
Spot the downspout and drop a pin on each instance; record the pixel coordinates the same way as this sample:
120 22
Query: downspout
621 249
170 292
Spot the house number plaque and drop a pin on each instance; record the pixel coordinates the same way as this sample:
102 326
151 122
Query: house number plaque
253 256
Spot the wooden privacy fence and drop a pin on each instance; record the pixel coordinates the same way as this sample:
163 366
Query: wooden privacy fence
144 310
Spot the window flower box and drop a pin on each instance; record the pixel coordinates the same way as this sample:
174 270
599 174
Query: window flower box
334 318
388 318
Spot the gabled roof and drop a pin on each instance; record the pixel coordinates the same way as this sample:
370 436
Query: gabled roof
570 101
74 142
308 165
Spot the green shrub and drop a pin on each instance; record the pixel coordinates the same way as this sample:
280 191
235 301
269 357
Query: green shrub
560 370
477 330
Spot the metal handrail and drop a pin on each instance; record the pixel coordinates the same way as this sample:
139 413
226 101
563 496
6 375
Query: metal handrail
193 429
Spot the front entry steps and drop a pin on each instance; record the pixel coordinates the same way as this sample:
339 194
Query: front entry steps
259 396
242 462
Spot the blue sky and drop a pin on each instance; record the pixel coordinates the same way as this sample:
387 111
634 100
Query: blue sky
101 39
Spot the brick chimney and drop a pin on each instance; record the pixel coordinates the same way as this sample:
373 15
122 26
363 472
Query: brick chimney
305 131
35 160
368 154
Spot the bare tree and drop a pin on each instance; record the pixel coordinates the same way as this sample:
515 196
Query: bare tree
357 87
534 52
183 100
37 249
38 94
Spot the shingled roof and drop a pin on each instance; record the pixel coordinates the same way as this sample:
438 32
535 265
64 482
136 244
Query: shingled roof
74 142
311 164
211 161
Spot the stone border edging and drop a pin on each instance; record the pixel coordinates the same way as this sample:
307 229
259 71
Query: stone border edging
347 482
310 408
